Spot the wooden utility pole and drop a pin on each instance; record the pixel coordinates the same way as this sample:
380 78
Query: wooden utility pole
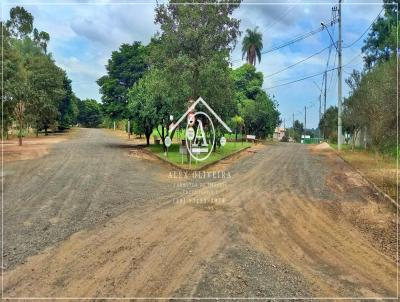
340 77
326 76
293 127
305 118
320 113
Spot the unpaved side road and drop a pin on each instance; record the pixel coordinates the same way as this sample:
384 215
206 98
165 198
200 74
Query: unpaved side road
294 222
84 181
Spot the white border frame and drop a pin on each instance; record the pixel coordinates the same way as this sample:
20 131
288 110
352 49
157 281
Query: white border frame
193 298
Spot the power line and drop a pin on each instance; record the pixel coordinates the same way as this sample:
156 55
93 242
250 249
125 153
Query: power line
301 61
334 64
359 38
278 19
314 75
296 39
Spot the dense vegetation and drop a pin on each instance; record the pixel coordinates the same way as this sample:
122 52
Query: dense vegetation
187 59
37 93
371 105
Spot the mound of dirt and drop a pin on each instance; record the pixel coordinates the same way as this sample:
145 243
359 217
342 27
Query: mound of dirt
323 146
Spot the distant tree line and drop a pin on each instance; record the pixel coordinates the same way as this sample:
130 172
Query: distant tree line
36 93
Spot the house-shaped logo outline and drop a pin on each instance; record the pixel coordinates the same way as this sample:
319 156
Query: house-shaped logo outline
191 108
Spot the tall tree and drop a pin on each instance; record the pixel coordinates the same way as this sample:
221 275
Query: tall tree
145 104
353 119
124 69
47 82
297 130
32 81
193 51
381 42
372 105
14 78
20 23
68 106
255 106
41 39
328 123
252 45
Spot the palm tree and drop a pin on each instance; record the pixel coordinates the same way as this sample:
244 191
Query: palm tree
238 123
252 46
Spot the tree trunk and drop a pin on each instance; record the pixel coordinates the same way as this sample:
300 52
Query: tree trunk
45 131
20 140
163 137
147 134
252 59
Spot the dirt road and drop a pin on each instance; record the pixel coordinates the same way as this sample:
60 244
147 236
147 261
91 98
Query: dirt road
82 182
286 221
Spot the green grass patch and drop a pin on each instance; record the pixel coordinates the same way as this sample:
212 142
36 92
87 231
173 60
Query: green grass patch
175 157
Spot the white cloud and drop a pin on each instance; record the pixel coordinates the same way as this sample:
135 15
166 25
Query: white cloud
83 37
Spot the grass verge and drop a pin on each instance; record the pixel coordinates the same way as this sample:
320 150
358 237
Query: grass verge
175 158
380 170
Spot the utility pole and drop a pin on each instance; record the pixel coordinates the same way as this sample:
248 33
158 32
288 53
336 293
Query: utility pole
340 77
293 126
326 76
305 118
320 113
284 127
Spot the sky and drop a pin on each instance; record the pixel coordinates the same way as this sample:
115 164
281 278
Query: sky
83 35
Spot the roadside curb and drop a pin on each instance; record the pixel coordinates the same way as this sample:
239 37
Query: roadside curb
148 152
372 184
226 157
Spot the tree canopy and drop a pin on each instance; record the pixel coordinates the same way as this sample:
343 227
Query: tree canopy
189 57
37 93
381 42
90 114
125 67
254 105
252 45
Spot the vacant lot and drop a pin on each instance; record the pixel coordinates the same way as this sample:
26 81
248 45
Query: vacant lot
91 220
32 147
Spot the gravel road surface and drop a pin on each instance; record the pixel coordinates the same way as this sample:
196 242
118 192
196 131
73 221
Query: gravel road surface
286 220
83 181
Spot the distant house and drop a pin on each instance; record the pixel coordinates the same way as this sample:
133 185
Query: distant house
279 133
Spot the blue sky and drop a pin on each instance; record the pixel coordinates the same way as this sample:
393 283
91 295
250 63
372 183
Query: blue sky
84 33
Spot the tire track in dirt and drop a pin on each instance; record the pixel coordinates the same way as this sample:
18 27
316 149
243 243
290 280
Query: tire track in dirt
297 227
84 181
154 255
283 231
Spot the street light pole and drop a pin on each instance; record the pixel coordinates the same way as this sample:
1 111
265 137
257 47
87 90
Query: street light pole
340 77
339 51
